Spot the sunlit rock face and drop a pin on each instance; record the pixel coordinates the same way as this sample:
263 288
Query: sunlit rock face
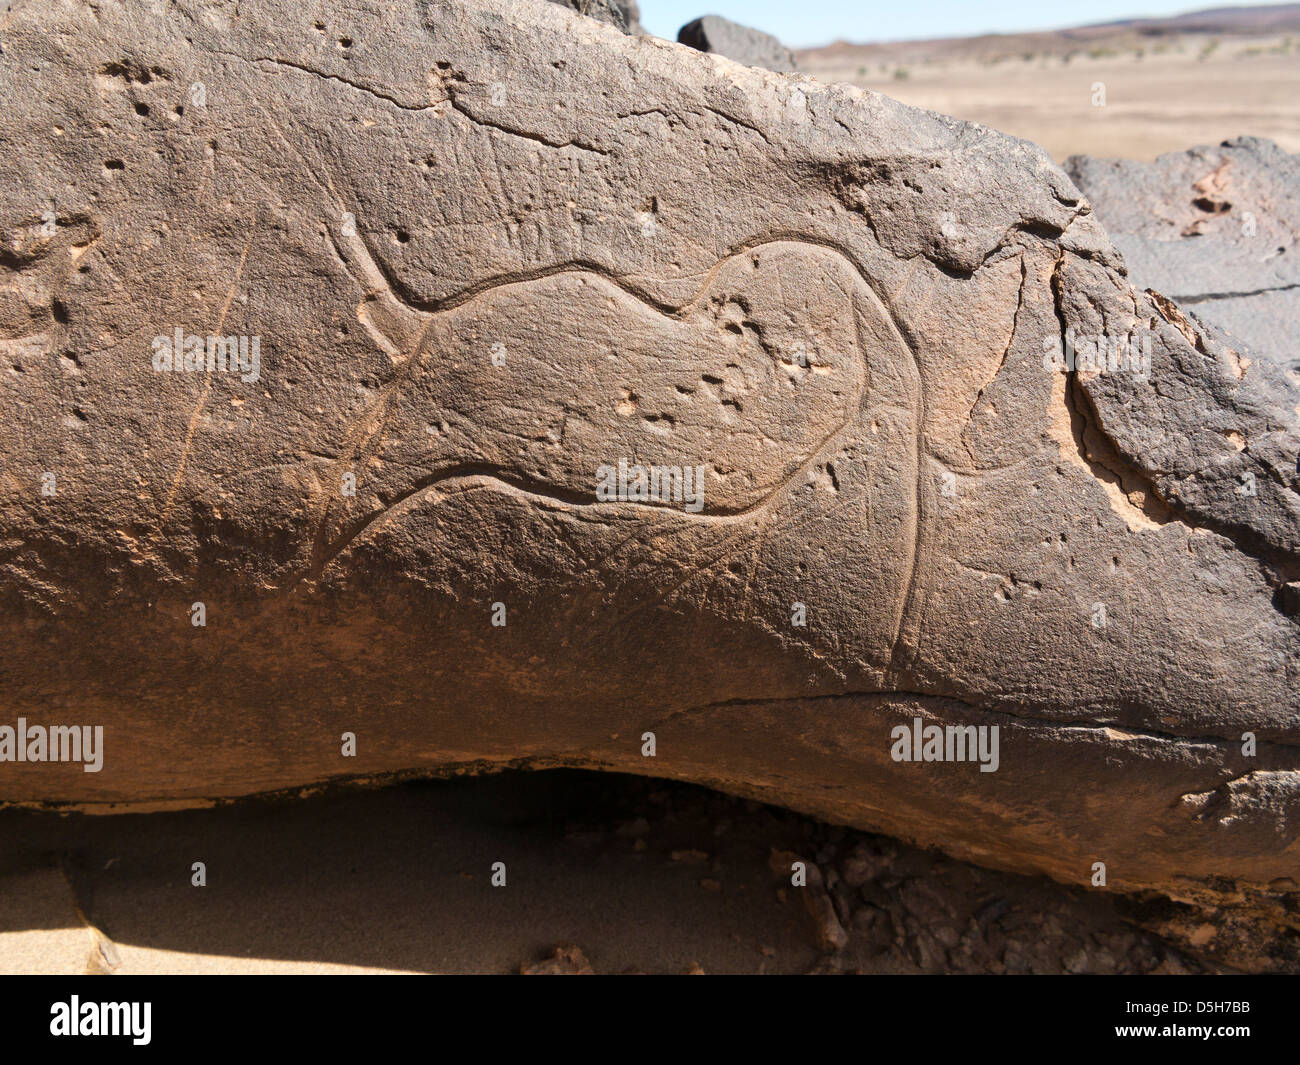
441 387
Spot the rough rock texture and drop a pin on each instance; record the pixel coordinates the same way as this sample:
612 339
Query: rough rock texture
621 13
1216 229
745 45
488 248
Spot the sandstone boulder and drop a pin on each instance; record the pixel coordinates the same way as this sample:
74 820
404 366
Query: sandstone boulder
624 14
721 36
1217 229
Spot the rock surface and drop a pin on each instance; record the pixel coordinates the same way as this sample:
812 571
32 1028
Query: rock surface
752 47
1216 229
490 248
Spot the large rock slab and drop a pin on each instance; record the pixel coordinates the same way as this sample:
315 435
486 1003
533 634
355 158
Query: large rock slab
488 250
744 44
1217 229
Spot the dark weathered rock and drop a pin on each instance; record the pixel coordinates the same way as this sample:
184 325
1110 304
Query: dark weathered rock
490 247
624 14
1215 229
752 47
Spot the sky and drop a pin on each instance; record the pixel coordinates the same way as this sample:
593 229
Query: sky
807 23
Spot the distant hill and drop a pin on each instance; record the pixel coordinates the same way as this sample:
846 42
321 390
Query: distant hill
1264 18
1127 34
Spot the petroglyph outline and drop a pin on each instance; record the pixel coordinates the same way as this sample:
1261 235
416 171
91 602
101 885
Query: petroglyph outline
380 283
410 352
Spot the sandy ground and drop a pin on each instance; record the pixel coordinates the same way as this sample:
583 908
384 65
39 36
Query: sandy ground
619 874
1194 92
